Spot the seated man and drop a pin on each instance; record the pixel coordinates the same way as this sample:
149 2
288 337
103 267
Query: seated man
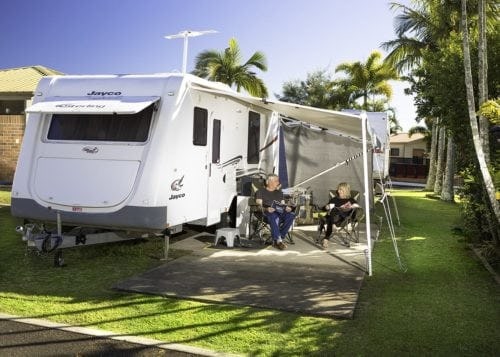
279 215
340 207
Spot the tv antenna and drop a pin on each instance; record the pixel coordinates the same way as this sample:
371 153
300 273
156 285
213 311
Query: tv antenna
185 35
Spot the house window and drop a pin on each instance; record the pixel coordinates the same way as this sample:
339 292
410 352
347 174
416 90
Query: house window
418 156
394 152
12 107
101 127
200 126
253 138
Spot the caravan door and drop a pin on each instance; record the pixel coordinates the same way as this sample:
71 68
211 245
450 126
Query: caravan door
216 176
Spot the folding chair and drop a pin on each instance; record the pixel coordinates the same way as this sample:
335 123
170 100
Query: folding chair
258 224
347 230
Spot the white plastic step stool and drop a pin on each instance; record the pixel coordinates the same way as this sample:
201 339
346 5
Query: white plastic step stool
230 234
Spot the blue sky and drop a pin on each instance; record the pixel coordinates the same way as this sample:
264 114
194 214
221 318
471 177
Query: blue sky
127 36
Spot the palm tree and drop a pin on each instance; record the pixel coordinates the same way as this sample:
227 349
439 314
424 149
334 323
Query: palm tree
427 23
447 193
430 22
367 79
226 67
421 130
487 179
431 176
420 29
394 126
440 161
484 125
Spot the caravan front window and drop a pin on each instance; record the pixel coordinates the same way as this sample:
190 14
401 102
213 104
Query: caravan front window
101 127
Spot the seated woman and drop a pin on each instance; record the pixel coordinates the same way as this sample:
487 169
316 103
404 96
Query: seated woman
340 207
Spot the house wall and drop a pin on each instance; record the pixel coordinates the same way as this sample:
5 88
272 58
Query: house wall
11 134
405 166
406 150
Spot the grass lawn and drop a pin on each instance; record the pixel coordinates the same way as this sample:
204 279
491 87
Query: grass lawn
445 304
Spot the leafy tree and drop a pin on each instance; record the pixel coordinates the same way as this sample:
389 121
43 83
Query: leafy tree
226 67
316 91
491 110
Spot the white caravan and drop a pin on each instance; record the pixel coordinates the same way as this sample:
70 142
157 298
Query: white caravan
151 152
135 152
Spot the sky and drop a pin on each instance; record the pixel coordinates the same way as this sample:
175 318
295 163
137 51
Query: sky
127 36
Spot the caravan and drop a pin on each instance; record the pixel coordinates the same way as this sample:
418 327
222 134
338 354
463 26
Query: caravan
153 152
135 152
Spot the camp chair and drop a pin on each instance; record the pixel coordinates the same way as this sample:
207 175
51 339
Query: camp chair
258 224
347 230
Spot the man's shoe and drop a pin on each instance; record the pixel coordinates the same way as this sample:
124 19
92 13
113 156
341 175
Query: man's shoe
324 243
281 245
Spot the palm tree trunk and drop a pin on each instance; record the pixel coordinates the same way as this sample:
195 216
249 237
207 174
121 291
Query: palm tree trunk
431 176
484 125
447 193
488 182
438 183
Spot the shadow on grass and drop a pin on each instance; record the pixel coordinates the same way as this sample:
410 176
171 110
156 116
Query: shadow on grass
446 304
80 294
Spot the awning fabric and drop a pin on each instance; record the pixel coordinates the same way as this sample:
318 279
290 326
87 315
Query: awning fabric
341 123
85 105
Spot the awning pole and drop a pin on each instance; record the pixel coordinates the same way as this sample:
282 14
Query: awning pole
368 185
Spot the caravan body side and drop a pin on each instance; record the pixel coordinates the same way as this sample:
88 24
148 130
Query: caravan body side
178 166
379 122
380 133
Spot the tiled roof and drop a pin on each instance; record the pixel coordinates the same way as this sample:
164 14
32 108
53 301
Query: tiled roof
403 138
23 79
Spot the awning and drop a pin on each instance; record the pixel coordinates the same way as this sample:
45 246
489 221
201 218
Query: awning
85 105
342 123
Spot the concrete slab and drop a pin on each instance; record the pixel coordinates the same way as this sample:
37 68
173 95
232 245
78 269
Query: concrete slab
303 278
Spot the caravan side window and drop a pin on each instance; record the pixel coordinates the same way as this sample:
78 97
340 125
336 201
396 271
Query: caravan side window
216 141
200 126
101 127
253 137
